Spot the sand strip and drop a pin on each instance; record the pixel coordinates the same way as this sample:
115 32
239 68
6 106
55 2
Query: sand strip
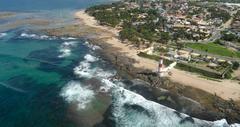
225 89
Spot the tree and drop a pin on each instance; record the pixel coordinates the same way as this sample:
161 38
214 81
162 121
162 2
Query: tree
180 45
229 36
165 37
235 65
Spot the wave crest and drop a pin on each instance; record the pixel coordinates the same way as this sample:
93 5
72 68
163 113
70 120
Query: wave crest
74 92
90 58
65 48
85 69
131 109
91 46
3 35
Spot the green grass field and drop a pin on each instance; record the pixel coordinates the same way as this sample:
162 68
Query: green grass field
214 49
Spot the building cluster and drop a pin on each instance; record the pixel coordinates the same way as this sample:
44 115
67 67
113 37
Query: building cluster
235 26
191 19
204 61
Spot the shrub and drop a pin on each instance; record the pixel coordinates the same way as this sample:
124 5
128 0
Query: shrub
235 65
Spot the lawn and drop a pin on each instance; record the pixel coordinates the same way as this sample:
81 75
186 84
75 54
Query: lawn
214 49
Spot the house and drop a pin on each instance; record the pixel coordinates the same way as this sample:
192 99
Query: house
184 55
172 54
221 61
212 65
194 55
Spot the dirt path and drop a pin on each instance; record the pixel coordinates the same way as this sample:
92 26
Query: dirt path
226 89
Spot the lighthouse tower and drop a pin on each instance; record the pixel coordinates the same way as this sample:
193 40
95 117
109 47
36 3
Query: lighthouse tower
160 67
162 70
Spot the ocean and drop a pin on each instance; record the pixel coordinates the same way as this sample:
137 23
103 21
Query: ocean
36 5
49 81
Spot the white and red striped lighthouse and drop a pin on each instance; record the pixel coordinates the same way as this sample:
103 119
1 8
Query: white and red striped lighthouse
162 70
161 66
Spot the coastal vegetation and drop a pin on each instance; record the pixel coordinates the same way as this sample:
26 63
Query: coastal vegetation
218 13
137 25
172 24
230 36
146 22
108 14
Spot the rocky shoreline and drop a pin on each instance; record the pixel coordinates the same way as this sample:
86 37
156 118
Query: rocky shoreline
186 99
211 107
196 103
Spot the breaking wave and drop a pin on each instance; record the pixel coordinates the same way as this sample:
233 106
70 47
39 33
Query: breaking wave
35 36
85 69
90 58
75 92
65 48
44 37
3 35
68 38
91 46
130 109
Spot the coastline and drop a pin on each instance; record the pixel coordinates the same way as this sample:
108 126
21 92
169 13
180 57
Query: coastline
130 66
226 89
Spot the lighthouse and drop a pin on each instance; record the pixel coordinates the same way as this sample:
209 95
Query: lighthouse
162 70
160 67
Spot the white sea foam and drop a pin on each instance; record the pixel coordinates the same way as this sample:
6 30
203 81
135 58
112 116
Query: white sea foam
104 73
70 43
131 109
25 35
83 70
68 38
3 35
86 71
75 92
107 85
128 108
65 48
86 42
43 37
36 36
93 47
90 58
64 52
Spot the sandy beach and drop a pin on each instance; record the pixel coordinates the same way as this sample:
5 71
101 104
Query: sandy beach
225 89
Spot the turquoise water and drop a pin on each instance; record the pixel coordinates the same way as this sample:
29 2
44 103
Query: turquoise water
63 82
34 71
27 5
31 77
